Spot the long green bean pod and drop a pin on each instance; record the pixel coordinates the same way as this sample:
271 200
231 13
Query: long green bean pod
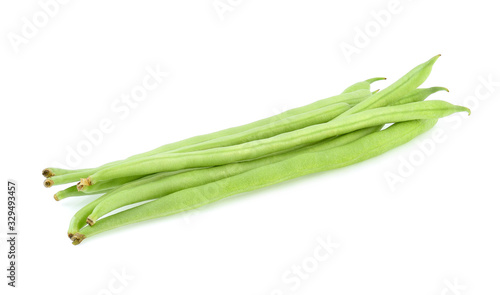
158 185
313 117
350 98
364 148
71 191
52 171
106 185
99 188
416 95
419 94
322 115
166 184
397 90
79 219
362 85
258 148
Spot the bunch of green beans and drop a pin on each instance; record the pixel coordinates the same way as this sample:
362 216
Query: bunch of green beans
327 134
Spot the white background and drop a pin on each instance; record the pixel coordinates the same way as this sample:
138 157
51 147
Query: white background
435 233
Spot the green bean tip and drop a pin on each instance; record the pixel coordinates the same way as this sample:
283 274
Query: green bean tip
56 197
48 182
375 79
436 89
463 109
433 59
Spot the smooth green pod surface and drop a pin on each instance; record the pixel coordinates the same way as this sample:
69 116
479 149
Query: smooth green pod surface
419 94
71 191
258 148
364 148
362 85
349 98
291 123
397 90
165 184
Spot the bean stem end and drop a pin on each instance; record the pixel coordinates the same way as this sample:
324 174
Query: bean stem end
48 182
77 238
84 182
47 172
90 221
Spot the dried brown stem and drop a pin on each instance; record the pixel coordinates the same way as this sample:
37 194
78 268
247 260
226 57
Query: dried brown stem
84 182
90 221
77 238
48 182
47 172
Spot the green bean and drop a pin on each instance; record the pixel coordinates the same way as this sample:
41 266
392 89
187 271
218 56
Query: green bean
313 117
99 188
419 94
312 162
350 98
71 191
78 220
397 90
49 172
258 148
416 95
68 177
362 85
105 185
410 80
161 184
167 184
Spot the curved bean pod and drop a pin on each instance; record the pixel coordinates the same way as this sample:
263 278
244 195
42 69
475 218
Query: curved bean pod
313 117
127 194
419 94
164 185
106 185
51 171
71 191
367 147
350 98
78 220
397 90
99 188
362 85
258 148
